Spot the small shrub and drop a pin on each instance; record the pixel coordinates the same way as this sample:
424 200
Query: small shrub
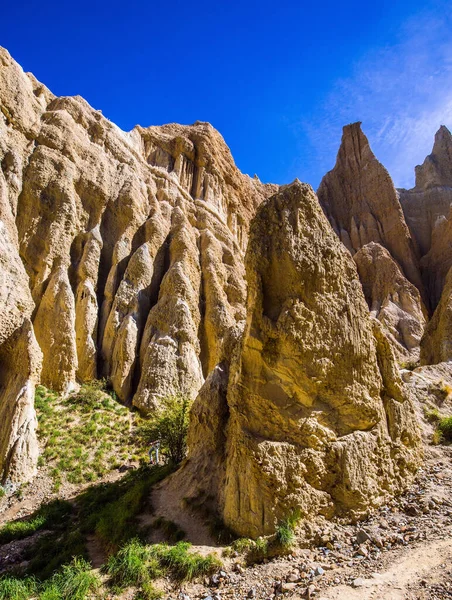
445 429
243 545
437 437
445 388
285 532
410 365
90 395
432 415
170 426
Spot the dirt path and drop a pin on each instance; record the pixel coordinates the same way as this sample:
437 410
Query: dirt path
96 553
417 568
166 502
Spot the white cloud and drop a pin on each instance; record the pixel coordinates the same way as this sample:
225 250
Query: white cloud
402 93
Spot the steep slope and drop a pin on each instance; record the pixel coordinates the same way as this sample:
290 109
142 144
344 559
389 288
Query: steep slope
361 203
427 209
392 299
436 345
124 250
314 414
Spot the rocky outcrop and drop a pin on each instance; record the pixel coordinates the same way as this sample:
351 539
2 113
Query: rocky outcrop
20 357
130 243
392 299
436 345
436 171
362 205
122 251
427 209
315 415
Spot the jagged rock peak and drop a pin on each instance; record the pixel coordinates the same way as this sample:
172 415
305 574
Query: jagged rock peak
436 169
361 203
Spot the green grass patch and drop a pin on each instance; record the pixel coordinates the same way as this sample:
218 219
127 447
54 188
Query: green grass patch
432 415
12 588
132 565
87 434
137 564
181 563
75 581
51 515
285 532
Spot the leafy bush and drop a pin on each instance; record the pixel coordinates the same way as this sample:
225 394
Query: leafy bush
170 425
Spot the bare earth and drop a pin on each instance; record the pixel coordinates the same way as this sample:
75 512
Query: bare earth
403 551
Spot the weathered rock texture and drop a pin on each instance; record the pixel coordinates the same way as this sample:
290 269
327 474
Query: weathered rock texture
315 415
361 203
436 345
392 299
122 253
427 209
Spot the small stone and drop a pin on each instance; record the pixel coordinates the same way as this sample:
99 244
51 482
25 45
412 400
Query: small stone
358 582
319 571
251 593
362 536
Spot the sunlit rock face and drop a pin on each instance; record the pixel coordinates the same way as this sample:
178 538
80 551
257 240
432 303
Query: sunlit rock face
361 203
427 209
122 254
314 414
392 299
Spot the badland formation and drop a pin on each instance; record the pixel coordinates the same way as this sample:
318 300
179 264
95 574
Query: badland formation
289 317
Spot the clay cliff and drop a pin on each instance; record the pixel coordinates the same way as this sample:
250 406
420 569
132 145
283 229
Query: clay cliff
362 204
311 410
148 259
122 253
427 209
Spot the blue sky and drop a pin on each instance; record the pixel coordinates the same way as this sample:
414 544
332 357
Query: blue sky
278 79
